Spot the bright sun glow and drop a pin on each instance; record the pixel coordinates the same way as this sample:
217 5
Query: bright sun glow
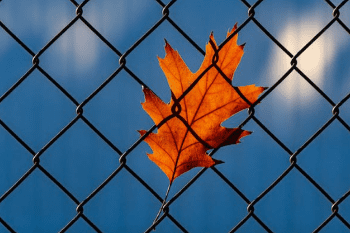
296 34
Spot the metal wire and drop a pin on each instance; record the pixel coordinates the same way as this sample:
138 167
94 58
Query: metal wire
166 16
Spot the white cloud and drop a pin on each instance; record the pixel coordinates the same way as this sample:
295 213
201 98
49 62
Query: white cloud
312 62
111 18
294 99
85 47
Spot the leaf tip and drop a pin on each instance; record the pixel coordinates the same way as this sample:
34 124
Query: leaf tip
211 36
247 132
142 132
217 162
229 32
147 93
168 49
145 89
167 45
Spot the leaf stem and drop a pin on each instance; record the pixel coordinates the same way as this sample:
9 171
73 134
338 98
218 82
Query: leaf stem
172 179
163 204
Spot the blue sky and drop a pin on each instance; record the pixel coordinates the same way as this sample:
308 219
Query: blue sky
80 160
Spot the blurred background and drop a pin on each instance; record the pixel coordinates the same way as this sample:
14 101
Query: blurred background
81 161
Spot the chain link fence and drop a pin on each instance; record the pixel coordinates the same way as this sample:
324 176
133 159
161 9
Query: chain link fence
166 18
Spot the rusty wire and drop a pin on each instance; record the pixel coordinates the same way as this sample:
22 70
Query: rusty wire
166 16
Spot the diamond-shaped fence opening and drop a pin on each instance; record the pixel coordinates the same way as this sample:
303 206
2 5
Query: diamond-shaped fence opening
71 78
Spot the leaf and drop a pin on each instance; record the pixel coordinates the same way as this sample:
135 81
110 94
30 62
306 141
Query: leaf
178 148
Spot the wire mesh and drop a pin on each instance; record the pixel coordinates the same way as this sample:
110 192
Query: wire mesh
123 166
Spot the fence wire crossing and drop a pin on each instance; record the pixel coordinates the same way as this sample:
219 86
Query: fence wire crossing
166 17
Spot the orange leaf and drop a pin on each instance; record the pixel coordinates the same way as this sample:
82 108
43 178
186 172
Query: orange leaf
176 148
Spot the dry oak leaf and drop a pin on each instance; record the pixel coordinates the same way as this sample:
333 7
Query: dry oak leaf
211 101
